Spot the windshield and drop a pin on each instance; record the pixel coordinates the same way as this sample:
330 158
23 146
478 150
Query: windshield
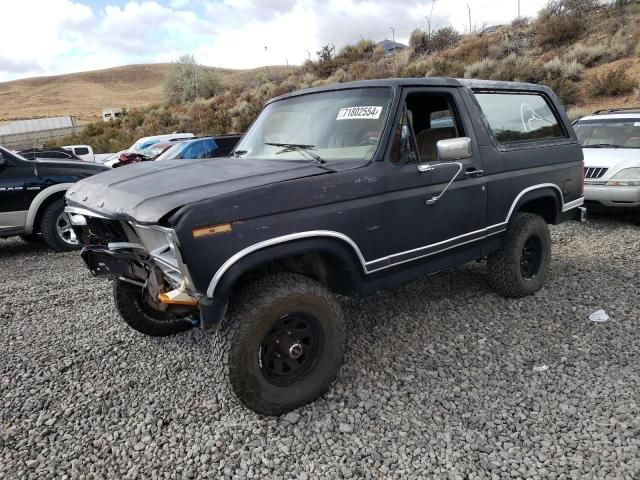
339 125
152 151
15 154
173 151
609 133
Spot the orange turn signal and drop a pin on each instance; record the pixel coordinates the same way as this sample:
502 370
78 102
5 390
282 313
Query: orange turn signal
209 231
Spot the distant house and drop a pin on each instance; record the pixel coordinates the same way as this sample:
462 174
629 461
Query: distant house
390 46
109 114
34 132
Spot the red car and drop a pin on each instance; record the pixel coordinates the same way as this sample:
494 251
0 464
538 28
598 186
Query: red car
146 155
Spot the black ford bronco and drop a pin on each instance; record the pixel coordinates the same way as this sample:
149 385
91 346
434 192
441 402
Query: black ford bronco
32 197
347 189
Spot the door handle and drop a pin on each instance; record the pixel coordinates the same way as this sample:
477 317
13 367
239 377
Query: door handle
474 172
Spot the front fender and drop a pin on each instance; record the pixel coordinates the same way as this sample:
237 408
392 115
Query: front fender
339 247
39 200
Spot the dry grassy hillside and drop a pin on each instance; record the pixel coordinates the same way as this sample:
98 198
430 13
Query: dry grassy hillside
85 94
587 51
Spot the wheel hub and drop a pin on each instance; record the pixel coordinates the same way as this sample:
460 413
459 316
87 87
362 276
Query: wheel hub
64 229
531 257
290 348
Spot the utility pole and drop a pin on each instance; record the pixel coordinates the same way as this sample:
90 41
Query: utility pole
308 54
428 27
393 33
469 8
518 8
433 4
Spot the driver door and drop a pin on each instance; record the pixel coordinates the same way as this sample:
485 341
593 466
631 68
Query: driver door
13 208
433 208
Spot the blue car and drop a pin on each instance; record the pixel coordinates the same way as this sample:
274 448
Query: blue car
191 149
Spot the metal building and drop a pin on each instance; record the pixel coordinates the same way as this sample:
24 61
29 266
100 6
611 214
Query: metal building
35 132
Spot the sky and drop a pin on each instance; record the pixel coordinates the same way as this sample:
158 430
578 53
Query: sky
46 37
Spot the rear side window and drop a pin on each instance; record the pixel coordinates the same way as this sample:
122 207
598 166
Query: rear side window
519 117
81 151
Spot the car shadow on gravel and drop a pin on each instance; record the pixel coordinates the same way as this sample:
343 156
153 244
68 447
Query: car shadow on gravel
12 246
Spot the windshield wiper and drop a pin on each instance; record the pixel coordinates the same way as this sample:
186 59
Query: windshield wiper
238 153
298 147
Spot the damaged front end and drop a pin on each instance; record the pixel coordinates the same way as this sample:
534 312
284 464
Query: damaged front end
145 256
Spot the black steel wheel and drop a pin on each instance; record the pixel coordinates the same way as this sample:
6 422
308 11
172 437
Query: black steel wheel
283 343
291 348
531 257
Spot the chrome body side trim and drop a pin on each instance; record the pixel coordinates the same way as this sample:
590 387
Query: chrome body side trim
274 241
574 204
483 233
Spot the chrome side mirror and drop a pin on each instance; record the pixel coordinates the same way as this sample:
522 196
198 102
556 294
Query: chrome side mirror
453 149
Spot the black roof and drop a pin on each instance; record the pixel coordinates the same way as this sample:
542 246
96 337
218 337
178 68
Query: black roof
420 82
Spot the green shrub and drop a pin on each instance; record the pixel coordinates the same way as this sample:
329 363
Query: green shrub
588 55
484 69
566 70
419 43
442 38
564 88
444 67
612 82
556 30
187 81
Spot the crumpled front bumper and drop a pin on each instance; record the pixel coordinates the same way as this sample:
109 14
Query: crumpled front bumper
104 263
147 256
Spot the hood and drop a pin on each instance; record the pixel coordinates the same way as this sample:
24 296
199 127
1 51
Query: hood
147 191
614 159
43 165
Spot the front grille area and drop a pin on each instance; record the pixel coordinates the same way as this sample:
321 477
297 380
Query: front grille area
594 172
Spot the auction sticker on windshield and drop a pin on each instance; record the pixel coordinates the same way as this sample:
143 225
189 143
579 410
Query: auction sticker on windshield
349 113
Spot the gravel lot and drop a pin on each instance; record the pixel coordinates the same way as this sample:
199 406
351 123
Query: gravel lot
439 380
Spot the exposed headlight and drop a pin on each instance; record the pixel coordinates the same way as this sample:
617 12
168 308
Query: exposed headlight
629 177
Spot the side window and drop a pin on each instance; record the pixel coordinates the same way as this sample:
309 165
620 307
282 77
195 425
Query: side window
81 151
519 117
195 150
433 118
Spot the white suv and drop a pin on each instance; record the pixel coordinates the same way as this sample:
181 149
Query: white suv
611 144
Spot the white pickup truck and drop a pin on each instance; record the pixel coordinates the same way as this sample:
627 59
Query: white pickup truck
86 153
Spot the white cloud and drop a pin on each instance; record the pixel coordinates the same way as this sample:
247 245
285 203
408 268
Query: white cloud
66 35
40 32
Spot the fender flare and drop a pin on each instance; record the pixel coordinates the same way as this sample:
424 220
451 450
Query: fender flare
548 190
332 243
39 200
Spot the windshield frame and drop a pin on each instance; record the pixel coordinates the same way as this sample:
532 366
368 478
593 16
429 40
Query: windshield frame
385 131
583 122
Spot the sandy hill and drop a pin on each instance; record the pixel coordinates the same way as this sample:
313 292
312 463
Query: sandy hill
85 94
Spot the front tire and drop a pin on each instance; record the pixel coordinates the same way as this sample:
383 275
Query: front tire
284 343
520 267
142 317
56 230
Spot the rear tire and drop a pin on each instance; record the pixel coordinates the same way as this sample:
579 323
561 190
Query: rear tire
141 316
284 343
56 228
520 267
